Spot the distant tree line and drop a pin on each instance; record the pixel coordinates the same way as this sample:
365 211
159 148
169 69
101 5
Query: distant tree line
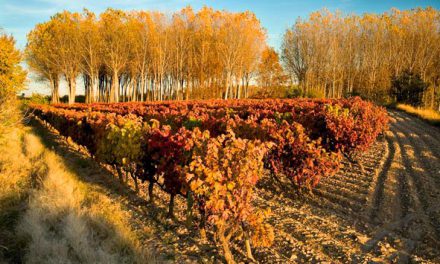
143 55
382 57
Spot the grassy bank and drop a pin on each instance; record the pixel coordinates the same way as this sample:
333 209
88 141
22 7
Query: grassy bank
15 181
49 215
428 115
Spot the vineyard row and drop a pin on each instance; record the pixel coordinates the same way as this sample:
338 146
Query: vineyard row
214 152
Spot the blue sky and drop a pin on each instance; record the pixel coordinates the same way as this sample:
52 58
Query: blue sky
18 17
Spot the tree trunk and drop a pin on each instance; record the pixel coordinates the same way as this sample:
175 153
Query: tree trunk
135 180
55 91
89 85
92 94
151 192
120 176
114 89
171 206
72 89
189 207
134 91
202 225
227 87
225 245
141 87
247 242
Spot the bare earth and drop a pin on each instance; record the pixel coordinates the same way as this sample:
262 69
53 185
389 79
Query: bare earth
387 210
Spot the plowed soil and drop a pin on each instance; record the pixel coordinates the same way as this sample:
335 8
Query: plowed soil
387 210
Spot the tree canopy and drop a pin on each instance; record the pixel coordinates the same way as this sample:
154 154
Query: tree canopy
12 76
143 55
341 55
12 79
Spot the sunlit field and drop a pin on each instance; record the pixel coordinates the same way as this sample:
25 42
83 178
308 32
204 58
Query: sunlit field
196 135
429 115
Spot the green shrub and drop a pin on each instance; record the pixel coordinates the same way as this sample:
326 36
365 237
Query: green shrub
408 88
294 92
37 98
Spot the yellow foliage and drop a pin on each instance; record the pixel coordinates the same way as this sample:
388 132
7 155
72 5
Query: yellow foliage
12 78
349 54
122 144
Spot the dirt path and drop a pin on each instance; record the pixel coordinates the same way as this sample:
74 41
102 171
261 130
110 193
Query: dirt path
386 211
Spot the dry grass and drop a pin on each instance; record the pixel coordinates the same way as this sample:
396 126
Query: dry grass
14 166
69 222
431 116
48 215
15 184
9 117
